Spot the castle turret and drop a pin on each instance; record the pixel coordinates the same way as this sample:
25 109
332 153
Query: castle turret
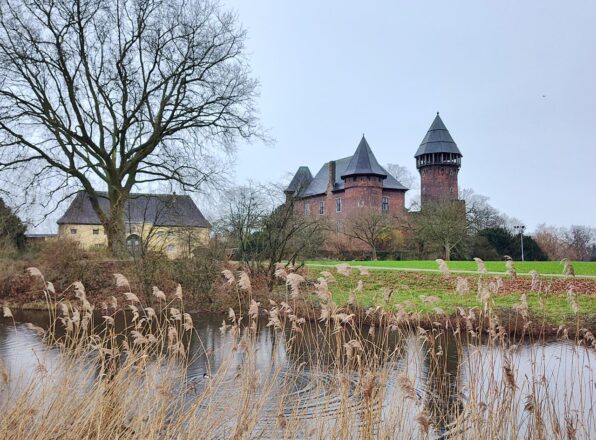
363 179
438 160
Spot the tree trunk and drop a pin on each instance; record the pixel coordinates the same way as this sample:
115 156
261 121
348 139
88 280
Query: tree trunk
374 253
114 227
447 252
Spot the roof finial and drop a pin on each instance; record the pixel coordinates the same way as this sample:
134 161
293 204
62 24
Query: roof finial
437 113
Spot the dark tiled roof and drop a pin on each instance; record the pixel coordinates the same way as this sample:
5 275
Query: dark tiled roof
318 185
157 209
437 140
300 181
364 162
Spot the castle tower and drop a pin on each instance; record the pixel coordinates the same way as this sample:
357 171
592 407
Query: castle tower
438 160
363 179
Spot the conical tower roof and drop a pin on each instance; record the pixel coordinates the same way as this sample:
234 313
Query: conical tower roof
300 181
364 162
437 140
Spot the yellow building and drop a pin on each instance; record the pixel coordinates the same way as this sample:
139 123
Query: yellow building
167 223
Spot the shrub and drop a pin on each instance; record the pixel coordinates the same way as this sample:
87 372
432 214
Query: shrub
198 274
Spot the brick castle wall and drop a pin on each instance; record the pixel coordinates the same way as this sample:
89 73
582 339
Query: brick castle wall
360 194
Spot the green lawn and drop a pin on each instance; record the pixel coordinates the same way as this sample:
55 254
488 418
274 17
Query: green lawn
543 267
410 289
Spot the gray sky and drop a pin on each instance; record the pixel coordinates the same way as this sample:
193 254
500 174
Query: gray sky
515 82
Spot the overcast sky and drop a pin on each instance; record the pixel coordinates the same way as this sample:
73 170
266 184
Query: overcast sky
515 82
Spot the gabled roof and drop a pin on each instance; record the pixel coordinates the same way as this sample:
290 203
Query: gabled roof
364 162
437 140
300 181
156 209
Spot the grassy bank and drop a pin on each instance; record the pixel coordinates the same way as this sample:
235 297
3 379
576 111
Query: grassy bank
431 294
542 267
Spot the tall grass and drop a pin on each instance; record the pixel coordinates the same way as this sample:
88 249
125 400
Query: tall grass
375 374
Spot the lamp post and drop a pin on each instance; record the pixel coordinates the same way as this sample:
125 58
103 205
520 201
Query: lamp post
521 229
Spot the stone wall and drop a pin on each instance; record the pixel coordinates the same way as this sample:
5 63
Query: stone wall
175 242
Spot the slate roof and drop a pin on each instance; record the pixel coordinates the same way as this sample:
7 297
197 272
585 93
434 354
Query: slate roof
300 181
364 162
157 209
437 140
318 184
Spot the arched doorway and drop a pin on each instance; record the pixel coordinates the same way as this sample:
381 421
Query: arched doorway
133 244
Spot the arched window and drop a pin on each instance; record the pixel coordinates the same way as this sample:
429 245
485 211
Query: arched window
133 244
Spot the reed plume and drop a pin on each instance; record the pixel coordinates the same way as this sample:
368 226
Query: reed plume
344 269
443 267
568 270
462 287
480 267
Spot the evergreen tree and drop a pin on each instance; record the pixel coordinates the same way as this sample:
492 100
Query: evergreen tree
12 229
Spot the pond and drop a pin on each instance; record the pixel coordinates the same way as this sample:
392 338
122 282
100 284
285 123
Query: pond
417 382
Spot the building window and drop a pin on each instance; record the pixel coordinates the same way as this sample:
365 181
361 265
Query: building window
96 232
338 226
307 209
98 246
73 231
171 248
321 208
338 205
360 203
385 204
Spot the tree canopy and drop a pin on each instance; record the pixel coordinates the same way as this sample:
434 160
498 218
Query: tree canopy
118 93
12 229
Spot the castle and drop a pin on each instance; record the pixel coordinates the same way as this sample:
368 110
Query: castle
344 187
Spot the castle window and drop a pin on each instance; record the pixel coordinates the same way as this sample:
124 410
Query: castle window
307 209
338 226
360 203
96 232
73 231
385 204
321 208
338 205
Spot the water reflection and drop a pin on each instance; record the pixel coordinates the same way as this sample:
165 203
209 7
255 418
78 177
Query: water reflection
312 383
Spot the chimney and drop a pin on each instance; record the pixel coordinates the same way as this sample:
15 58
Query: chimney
331 181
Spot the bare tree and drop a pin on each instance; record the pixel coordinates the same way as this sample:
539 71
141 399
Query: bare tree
247 207
441 225
403 175
265 229
120 93
574 243
579 240
550 240
371 227
479 213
